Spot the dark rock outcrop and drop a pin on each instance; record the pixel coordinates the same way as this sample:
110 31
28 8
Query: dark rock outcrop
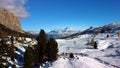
9 20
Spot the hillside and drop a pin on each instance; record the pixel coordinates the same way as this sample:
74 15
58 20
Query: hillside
85 56
5 32
108 52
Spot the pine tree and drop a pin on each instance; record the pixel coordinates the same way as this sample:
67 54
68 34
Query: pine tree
3 53
9 49
52 49
42 45
36 55
29 58
12 49
12 40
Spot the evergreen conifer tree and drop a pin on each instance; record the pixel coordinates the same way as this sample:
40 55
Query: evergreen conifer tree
12 49
52 49
36 55
42 45
3 53
29 58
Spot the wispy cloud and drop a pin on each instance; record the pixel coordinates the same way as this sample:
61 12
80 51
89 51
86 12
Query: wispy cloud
15 6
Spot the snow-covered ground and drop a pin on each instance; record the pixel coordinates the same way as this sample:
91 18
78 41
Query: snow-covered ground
106 56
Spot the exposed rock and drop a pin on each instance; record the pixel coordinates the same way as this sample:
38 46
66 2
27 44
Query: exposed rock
9 20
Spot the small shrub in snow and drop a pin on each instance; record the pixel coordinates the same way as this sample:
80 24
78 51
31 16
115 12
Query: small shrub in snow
95 45
90 42
14 66
118 34
20 41
107 36
74 42
71 55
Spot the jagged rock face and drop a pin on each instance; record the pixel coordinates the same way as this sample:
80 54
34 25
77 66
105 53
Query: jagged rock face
9 20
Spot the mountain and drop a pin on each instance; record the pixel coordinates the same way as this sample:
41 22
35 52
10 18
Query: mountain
35 33
109 28
59 33
10 25
115 27
9 20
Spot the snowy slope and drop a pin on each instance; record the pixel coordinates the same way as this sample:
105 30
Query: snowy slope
82 62
106 56
108 52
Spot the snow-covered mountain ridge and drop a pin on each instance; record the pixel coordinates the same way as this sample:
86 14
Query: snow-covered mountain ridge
59 33
70 32
109 28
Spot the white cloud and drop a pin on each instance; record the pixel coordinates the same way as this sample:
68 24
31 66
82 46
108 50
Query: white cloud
15 6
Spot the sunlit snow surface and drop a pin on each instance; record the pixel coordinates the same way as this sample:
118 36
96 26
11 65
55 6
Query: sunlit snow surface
108 52
106 56
82 62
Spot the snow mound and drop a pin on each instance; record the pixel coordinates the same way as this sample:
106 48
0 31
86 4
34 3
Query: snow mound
102 44
82 62
60 40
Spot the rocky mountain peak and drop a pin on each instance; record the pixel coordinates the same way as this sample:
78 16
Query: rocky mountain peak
9 20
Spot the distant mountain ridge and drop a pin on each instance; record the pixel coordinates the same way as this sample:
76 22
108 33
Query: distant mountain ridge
35 33
70 32
59 33
115 27
110 28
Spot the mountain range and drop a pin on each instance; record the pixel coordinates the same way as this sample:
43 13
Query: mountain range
109 28
59 33
71 32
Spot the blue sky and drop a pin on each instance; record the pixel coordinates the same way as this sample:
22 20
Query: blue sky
78 14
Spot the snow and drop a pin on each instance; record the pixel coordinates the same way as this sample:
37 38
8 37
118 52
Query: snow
28 39
106 56
102 44
82 62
